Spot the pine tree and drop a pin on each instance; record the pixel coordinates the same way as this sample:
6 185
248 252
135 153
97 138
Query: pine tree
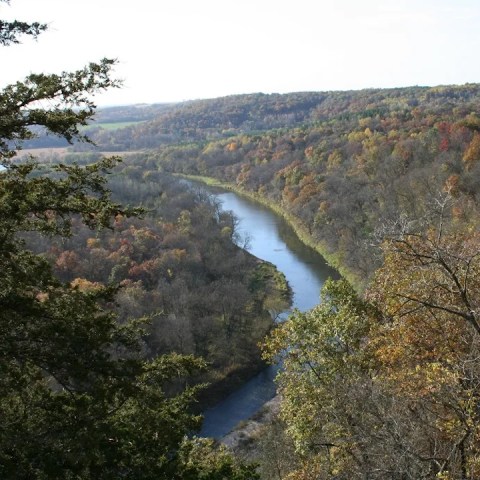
77 399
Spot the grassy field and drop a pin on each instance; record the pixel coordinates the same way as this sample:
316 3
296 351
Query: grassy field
62 151
114 125
43 152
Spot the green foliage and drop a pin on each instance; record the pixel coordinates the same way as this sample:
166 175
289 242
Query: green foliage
266 278
10 31
78 398
69 99
318 348
203 461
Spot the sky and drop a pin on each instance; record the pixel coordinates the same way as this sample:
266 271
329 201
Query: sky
175 50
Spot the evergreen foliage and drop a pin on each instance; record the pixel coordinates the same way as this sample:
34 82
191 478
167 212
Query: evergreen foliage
78 400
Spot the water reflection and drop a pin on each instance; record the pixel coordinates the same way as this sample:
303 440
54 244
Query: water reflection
272 239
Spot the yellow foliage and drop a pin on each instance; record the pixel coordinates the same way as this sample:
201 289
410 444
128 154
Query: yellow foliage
334 160
85 285
93 243
356 136
472 153
231 147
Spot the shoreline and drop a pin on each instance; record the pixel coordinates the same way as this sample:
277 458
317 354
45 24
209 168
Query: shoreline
299 229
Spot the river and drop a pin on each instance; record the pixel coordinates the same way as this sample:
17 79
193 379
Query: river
271 239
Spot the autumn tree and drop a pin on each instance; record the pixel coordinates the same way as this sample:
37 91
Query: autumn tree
387 387
428 348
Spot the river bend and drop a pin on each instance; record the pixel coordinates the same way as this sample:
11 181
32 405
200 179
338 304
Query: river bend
271 239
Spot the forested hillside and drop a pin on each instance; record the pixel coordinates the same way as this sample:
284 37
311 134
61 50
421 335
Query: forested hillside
178 266
352 163
201 120
385 182
111 315
216 118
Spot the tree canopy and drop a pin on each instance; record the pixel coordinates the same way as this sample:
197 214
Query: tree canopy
78 399
387 386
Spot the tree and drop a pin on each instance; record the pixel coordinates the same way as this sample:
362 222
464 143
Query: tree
77 398
9 31
388 391
429 346
326 387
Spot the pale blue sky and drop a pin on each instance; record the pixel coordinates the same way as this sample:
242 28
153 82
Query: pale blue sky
170 50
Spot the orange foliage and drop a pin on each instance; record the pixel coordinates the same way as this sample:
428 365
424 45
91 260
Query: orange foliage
451 184
67 261
231 147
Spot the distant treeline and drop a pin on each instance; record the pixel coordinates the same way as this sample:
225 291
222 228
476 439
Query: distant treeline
203 120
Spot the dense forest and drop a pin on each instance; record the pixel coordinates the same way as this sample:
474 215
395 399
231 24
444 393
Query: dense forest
125 295
352 163
385 184
179 266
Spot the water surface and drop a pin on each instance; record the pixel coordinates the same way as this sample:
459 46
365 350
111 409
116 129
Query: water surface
271 239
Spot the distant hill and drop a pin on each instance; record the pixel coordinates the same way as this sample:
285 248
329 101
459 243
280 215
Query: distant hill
150 126
199 120
110 118
131 113
341 163
202 120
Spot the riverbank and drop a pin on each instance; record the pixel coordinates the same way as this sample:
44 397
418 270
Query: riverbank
268 281
243 437
271 238
218 390
300 230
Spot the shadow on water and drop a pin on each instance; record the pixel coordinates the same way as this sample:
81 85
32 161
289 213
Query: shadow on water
240 405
